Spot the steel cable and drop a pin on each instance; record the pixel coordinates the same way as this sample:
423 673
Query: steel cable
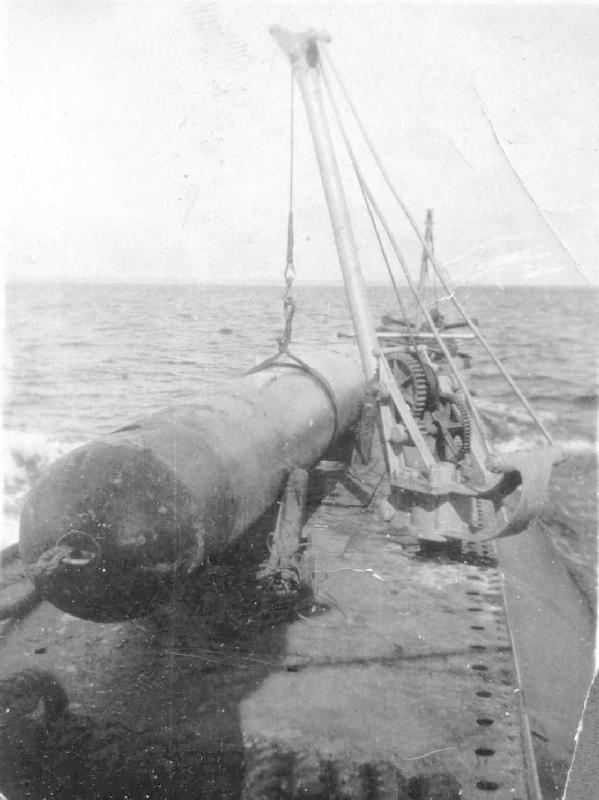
439 269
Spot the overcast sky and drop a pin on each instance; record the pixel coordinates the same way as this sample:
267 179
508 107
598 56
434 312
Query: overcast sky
150 139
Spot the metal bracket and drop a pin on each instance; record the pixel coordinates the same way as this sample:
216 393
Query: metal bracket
527 470
286 569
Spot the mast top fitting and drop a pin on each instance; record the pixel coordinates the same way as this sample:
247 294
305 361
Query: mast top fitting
300 48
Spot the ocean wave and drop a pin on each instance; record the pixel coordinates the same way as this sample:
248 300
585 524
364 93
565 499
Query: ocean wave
575 446
512 429
587 400
494 409
26 454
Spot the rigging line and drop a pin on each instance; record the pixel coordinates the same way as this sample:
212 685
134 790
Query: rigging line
388 265
433 261
291 139
401 259
402 308
437 266
289 272
290 267
524 188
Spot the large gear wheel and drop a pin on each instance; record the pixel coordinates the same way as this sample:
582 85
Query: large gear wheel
410 377
452 420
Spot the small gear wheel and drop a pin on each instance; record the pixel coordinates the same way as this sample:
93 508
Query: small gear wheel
410 377
452 419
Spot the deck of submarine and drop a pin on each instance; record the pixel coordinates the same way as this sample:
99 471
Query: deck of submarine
395 679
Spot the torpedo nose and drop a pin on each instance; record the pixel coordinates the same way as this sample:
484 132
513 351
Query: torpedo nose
80 576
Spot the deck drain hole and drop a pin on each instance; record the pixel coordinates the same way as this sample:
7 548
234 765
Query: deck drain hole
480 667
539 735
477 627
485 722
487 786
484 693
40 650
478 647
484 751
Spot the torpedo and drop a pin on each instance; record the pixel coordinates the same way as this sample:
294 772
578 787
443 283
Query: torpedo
111 524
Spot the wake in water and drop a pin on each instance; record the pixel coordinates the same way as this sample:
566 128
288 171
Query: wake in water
511 429
26 456
569 517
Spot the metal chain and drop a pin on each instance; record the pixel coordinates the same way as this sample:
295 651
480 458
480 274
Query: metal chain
289 272
283 341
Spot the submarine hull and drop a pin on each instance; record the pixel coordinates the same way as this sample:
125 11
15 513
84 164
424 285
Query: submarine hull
419 673
111 524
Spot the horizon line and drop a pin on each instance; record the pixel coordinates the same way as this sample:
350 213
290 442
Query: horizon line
273 282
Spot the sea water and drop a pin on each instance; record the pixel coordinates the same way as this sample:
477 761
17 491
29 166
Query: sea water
83 359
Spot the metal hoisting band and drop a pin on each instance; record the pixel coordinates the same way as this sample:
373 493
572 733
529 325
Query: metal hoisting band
299 363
